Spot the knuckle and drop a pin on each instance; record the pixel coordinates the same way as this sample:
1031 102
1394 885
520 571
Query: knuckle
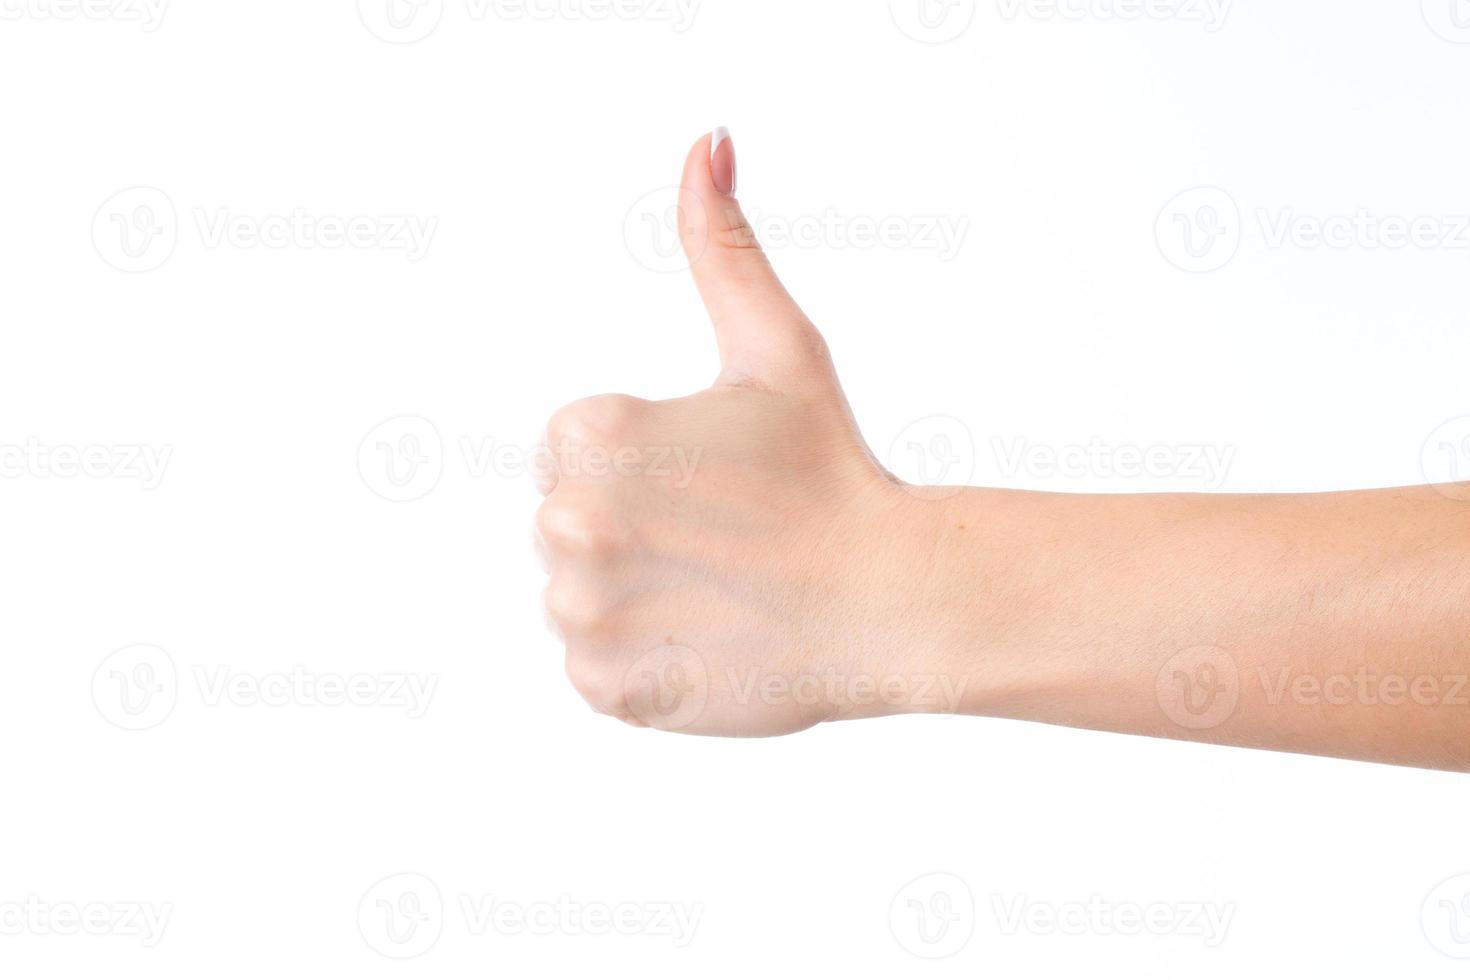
565 601
597 683
578 528
734 232
810 364
808 348
576 603
591 420
550 521
815 346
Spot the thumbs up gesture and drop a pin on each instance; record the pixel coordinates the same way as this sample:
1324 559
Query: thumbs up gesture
737 563
733 575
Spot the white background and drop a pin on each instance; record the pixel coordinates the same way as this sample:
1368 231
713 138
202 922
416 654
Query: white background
529 144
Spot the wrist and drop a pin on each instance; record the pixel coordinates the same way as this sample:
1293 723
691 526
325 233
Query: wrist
984 580
921 586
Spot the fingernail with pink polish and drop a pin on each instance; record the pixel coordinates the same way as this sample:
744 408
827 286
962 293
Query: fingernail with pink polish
722 161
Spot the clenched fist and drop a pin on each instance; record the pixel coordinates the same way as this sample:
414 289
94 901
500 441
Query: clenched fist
729 563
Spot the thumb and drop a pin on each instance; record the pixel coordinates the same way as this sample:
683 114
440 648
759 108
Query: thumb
763 336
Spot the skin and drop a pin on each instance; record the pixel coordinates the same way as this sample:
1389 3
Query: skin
779 577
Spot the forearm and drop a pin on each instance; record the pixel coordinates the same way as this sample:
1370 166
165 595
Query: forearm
1328 623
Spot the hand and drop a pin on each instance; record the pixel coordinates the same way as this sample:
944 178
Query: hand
737 563
713 558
